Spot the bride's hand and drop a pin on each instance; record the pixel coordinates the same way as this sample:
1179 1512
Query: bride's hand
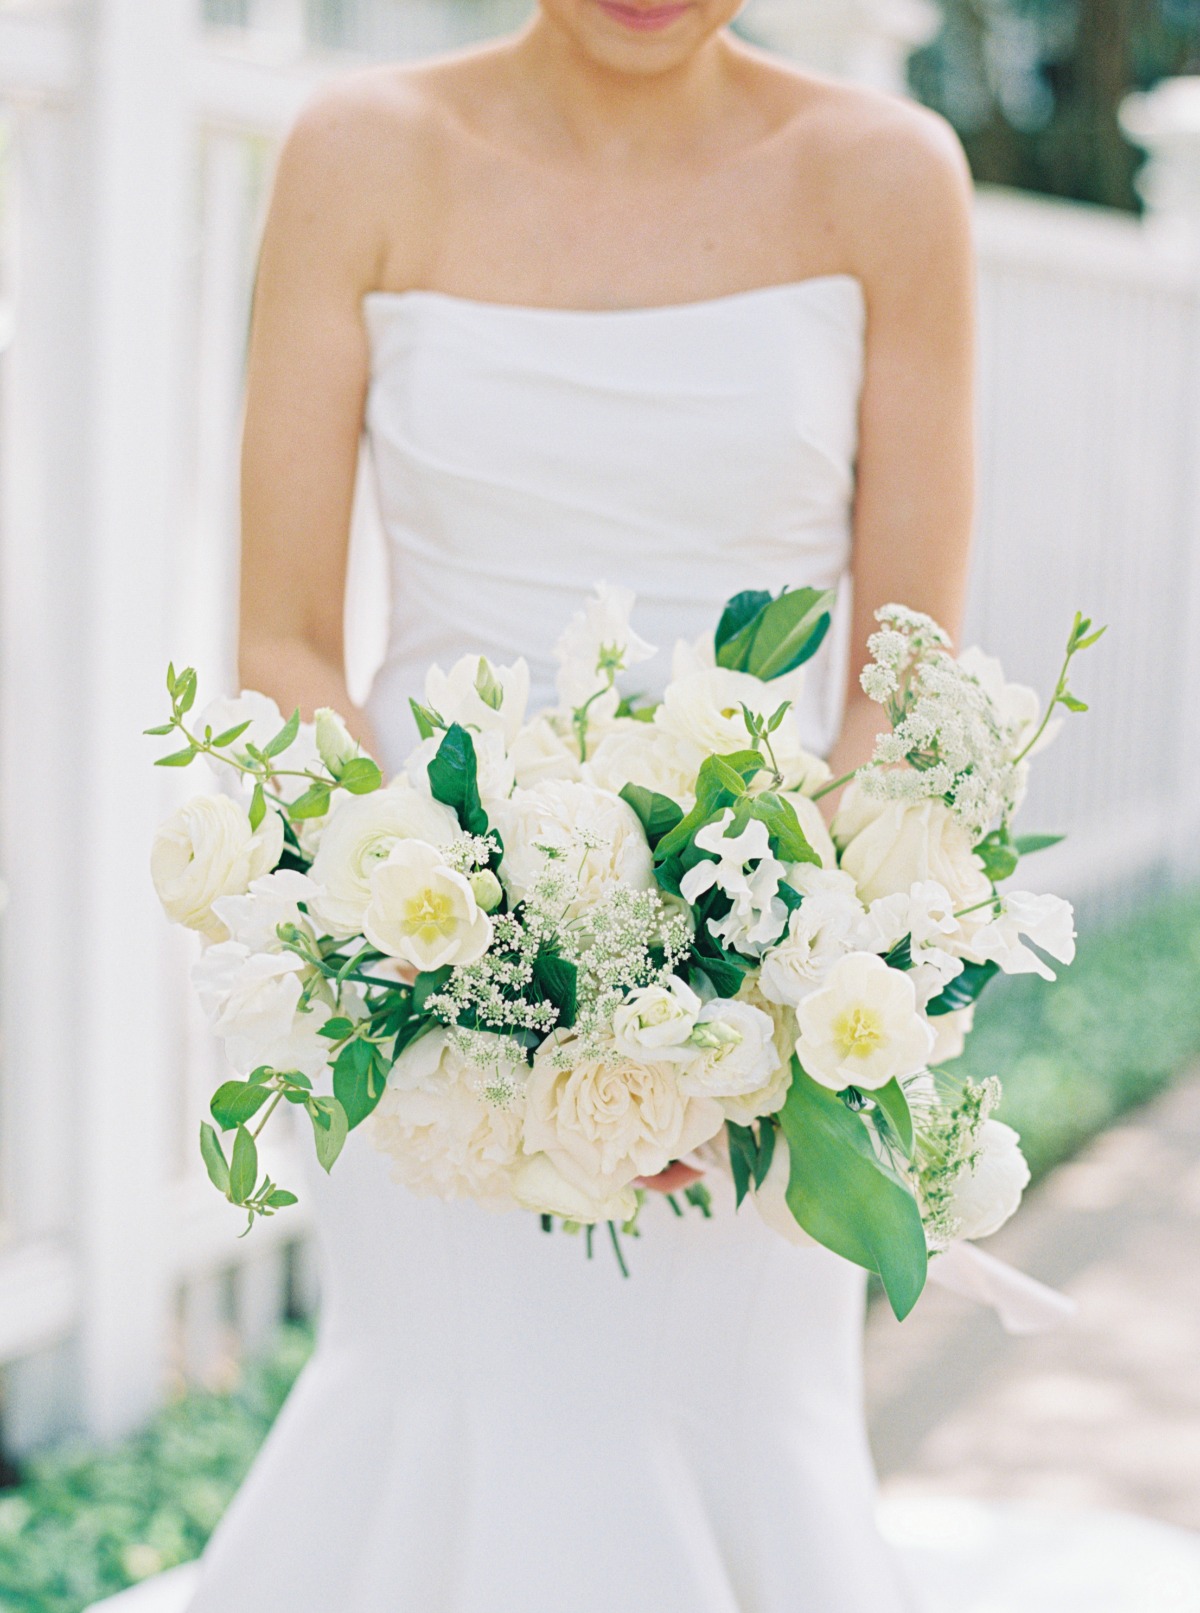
673 1180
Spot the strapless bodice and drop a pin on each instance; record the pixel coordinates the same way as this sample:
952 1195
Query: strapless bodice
521 455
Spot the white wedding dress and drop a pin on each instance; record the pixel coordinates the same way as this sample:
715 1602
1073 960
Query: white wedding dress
492 1423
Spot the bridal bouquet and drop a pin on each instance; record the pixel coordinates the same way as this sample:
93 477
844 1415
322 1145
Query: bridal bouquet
564 950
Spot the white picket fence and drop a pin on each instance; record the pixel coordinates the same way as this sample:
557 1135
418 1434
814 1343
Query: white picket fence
134 160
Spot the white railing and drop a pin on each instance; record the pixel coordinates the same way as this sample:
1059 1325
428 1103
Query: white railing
121 400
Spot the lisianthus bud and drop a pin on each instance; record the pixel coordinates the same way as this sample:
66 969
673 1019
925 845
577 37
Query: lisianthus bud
714 1036
487 889
334 743
488 686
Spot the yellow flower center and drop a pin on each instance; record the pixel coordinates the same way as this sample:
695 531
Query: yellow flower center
858 1032
429 916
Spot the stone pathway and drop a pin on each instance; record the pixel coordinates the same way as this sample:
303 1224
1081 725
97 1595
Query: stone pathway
1105 1411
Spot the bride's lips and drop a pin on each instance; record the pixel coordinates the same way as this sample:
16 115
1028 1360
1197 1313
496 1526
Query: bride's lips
644 19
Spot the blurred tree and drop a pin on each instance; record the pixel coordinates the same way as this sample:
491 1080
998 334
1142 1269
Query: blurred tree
1033 86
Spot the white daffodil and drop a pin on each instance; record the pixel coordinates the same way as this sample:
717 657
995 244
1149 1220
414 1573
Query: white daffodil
862 1028
1047 921
657 1022
759 914
423 912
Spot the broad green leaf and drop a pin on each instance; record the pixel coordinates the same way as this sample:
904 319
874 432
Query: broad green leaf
726 971
330 1137
213 1155
843 1197
1028 844
767 1137
285 737
360 776
453 779
258 806
720 782
900 957
998 855
230 734
963 990
787 632
894 1105
743 1157
558 981
243 1171
788 840
658 814
178 758
236 1102
358 1082
314 803
742 610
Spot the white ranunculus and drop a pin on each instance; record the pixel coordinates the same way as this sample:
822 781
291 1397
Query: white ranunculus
598 838
735 1043
424 912
254 918
494 768
455 696
657 1021
862 1027
702 712
542 751
890 846
820 931
986 1196
359 836
251 1000
1047 921
539 1185
443 1136
634 752
597 637
335 744
605 1122
207 850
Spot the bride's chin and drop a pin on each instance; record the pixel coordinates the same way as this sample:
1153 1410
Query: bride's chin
643 37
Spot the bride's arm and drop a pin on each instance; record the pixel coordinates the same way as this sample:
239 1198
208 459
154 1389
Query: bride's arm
908 211
307 382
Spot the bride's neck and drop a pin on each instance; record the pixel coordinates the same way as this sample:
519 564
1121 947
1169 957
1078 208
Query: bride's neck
609 113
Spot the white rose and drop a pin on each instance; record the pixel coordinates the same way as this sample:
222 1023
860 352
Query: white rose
251 1000
335 746
862 1028
889 846
424 912
702 711
493 766
455 696
736 1047
768 1099
641 753
986 1196
254 919
359 836
540 752
538 1184
605 1122
598 836
207 850
657 1021
597 638
444 1138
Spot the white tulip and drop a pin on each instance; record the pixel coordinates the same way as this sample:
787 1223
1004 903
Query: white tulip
657 1021
862 1028
890 846
359 836
424 912
207 850
736 1048
987 1195
455 696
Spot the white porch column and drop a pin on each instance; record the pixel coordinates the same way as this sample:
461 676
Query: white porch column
867 40
138 121
1165 121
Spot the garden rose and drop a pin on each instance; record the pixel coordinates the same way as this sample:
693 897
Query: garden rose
538 1184
596 835
207 850
889 846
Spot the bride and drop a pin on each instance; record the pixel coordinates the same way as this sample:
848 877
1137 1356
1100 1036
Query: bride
617 299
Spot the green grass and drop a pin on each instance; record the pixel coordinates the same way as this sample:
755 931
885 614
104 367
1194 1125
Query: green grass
1121 1023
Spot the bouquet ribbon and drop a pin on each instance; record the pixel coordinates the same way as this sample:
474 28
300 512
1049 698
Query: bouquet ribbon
1023 1304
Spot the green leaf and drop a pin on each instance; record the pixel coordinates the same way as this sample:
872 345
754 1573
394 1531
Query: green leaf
1028 844
557 979
236 1102
178 758
743 1157
1071 702
453 779
725 970
336 1029
243 1172
214 1159
358 1081
280 1199
767 1135
258 805
360 776
842 1197
230 734
998 855
330 1130
900 957
284 737
314 803
171 679
429 985
963 990
658 814
784 634
185 691
159 732
428 722
742 610
788 840
894 1105
720 782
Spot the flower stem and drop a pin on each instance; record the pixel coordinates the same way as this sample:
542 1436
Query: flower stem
267 1113
835 784
616 1243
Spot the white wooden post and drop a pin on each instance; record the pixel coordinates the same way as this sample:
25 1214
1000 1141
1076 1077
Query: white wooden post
138 124
867 40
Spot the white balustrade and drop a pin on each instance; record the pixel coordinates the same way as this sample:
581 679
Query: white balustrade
134 163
